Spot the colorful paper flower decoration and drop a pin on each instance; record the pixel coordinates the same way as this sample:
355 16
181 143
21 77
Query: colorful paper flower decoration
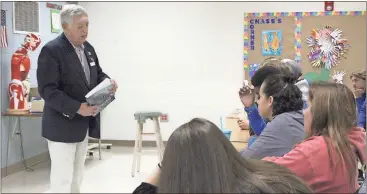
327 47
338 76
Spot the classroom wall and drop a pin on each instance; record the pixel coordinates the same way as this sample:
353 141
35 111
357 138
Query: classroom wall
181 58
34 144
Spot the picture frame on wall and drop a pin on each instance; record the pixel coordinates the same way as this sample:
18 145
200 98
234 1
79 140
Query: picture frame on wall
26 17
55 21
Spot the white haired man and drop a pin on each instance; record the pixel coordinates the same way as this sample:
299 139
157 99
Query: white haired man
68 69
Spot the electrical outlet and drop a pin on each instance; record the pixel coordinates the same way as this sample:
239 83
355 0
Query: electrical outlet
164 118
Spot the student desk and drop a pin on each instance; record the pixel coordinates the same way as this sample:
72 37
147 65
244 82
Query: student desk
239 145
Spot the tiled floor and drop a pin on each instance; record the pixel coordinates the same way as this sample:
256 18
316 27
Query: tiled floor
112 174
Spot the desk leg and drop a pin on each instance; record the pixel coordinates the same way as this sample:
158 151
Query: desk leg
99 148
8 144
22 148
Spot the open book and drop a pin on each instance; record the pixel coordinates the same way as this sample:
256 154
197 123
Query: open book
100 95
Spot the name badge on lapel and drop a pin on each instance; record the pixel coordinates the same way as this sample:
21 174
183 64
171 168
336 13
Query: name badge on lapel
92 63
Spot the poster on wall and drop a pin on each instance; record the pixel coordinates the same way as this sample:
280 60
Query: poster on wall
55 21
253 69
271 42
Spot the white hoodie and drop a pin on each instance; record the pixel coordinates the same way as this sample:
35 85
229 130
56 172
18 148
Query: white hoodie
303 86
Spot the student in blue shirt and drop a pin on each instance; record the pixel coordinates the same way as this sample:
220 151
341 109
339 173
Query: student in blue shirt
359 84
284 66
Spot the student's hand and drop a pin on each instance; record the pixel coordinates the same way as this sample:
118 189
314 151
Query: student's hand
247 97
244 125
246 88
154 178
247 94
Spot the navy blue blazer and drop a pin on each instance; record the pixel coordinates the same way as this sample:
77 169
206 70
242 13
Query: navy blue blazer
63 86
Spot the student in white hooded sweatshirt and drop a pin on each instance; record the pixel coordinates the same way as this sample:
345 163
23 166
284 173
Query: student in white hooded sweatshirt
302 84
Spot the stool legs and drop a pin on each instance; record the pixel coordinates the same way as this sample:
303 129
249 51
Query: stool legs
160 145
136 148
140 145
99 148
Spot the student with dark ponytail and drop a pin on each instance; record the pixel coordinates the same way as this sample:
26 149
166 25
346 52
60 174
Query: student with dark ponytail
280 102
269 66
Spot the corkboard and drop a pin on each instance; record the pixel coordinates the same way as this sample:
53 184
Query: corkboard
253 46
296 27
353 28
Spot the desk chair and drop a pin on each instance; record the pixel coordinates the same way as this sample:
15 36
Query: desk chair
99 145
140 118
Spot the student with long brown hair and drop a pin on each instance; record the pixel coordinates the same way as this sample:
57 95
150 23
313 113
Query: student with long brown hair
327 158
199 159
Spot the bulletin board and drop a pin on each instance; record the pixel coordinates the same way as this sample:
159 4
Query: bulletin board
289 35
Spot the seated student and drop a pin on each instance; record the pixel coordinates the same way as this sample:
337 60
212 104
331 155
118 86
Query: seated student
199 159
248 97
327 158
359 84
301 83
362 189
290 66
280 102
285 66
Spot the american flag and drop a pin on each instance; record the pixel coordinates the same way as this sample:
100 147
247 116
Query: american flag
4 35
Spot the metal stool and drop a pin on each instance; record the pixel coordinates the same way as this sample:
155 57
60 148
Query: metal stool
140 118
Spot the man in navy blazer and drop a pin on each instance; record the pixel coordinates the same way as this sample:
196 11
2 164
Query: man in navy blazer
68 68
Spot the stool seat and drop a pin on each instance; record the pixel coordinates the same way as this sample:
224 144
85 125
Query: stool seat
144 115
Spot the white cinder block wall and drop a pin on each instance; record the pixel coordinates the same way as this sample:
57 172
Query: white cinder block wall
183 58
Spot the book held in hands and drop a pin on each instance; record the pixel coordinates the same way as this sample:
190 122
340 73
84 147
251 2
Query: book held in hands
100 95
